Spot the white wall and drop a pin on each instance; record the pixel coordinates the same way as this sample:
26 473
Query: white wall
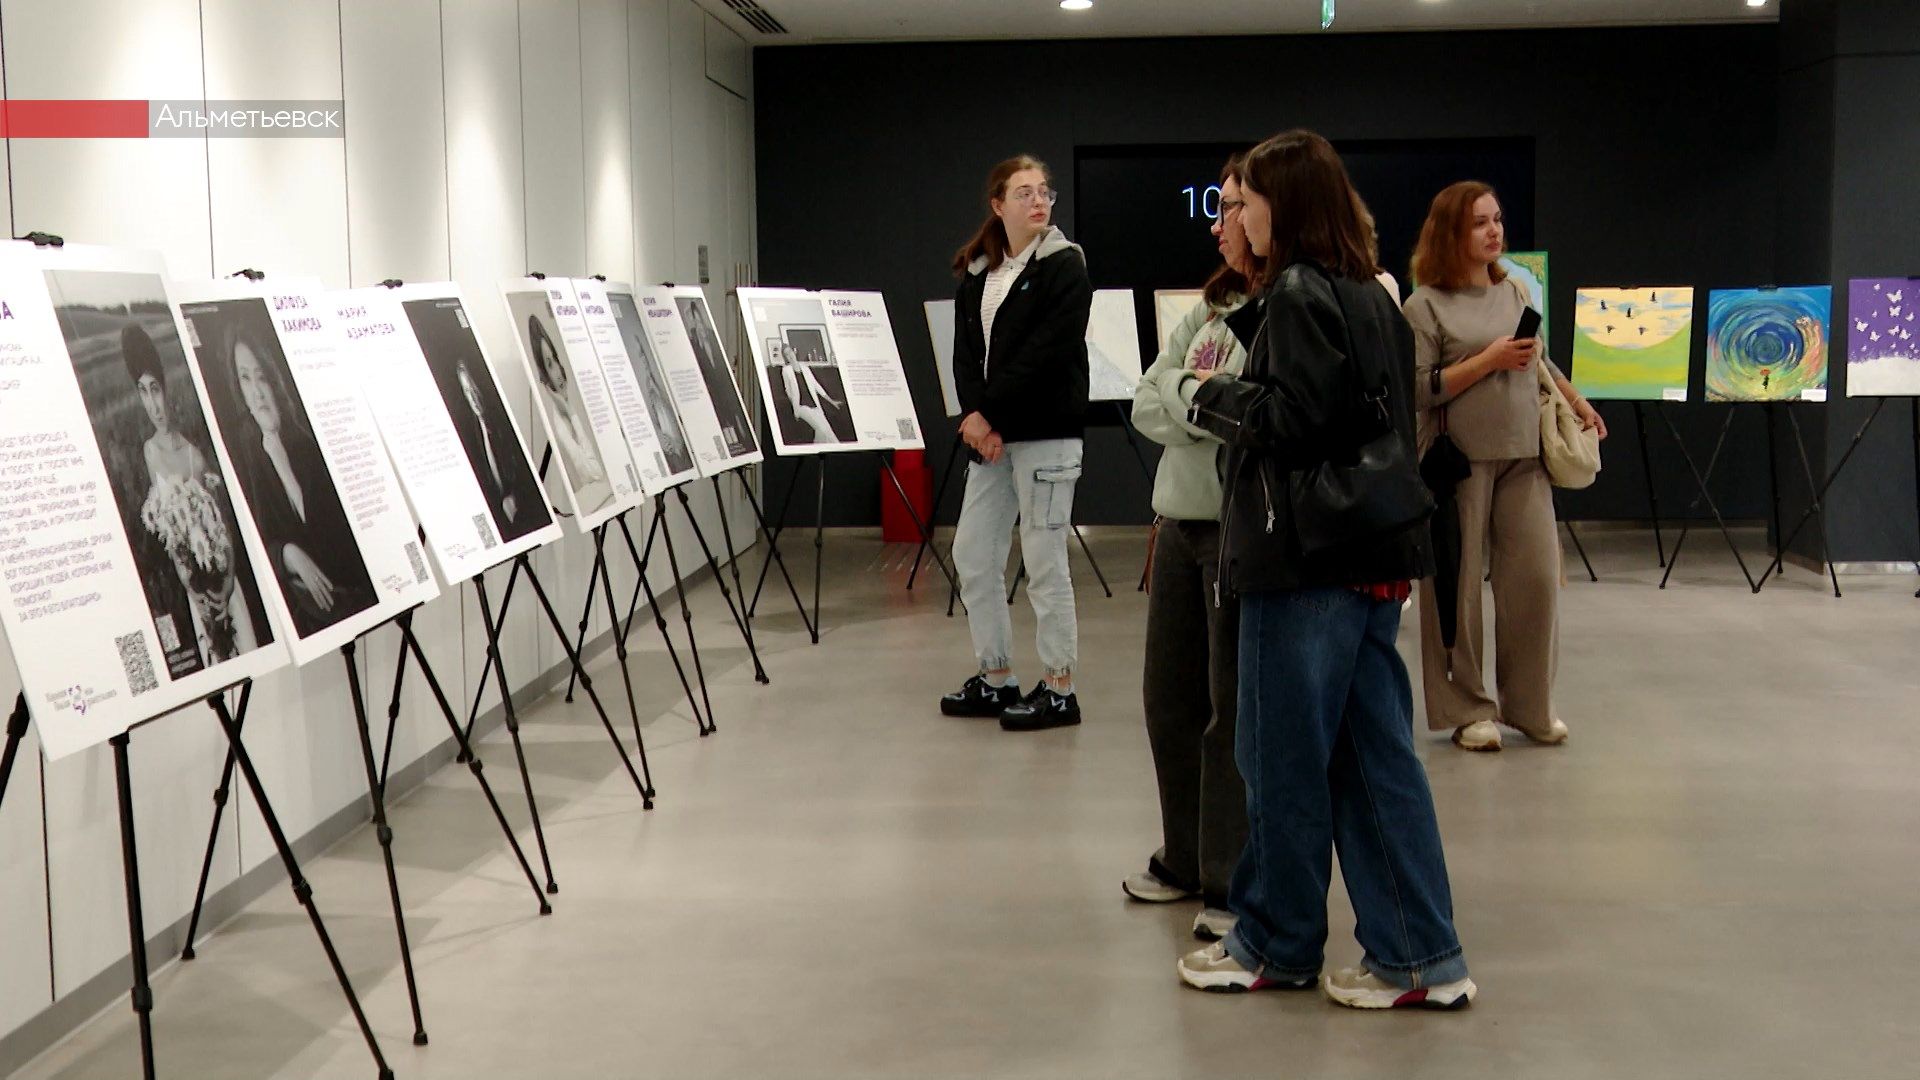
484 138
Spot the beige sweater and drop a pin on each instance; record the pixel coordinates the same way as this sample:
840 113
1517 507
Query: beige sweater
1497 418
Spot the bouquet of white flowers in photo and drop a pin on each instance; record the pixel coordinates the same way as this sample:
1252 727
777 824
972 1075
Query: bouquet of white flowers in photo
184 516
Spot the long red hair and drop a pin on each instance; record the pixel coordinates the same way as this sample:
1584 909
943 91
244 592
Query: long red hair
1441 259
991 240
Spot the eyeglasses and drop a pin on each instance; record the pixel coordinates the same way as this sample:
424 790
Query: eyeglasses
1028 196
1228 206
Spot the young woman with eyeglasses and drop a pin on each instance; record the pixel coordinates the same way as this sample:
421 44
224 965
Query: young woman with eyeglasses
1190 683
1020 367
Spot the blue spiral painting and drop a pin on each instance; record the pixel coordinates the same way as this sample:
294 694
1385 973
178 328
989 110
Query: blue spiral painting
1768 344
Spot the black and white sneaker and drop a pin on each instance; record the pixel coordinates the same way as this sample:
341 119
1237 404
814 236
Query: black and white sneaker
1041 709
976 698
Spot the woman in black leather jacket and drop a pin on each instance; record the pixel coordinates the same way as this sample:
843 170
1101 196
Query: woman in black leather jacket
1325 741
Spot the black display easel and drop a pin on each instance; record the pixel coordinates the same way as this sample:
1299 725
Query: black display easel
377 777
1817 507
622 627
773 555
496 665
1816 491
819 533
1646 473
1701 479
142 992
523 567
1575 537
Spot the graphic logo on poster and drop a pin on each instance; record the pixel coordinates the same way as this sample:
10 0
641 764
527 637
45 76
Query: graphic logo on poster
80 698
5 311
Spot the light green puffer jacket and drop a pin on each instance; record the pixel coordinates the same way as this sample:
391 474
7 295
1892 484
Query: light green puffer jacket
1187 486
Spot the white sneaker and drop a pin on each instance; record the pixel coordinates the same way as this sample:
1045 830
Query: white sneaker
1358 988
1213 924
1213 969
1479 735
1556 734
1148 889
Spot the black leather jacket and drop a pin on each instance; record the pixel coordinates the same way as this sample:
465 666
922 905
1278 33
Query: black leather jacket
1300 403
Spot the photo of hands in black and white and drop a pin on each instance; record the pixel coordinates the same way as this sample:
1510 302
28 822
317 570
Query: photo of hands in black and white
809 394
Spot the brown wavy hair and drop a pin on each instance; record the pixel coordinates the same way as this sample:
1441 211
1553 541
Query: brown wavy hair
1226 282
991 240
1317 214
1441 259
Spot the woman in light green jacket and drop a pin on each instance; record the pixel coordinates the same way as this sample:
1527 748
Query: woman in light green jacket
1191 677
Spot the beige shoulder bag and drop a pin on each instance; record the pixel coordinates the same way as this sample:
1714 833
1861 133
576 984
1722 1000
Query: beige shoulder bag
1570 452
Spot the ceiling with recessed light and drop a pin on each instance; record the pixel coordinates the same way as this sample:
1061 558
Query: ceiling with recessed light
819 21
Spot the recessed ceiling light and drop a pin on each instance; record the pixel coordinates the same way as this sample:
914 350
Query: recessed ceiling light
1756 3
1075 5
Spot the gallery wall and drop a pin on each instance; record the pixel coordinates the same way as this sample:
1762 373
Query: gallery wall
483 138
1654 154
1843 214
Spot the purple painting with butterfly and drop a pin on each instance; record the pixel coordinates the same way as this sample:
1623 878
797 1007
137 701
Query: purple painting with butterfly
1883 337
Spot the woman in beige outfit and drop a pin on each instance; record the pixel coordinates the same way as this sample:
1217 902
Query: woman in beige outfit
1475 381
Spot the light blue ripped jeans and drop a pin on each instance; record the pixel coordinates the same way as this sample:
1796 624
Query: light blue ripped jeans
1033 483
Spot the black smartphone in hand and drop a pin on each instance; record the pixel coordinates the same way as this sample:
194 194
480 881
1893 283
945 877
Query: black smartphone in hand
1529 325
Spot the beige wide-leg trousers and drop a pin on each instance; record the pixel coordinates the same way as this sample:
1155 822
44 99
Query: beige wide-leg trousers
1506 513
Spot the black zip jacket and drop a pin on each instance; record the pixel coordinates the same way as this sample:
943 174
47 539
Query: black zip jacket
1030 382
1300 403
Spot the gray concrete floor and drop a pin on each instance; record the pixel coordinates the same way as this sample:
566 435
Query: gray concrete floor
1716 877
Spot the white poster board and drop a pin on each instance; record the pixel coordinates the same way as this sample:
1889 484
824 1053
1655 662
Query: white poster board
734 425
589 449
830 371
128 554
718 445
1113 346
1172 305
343 554
655 436
450 436
940 332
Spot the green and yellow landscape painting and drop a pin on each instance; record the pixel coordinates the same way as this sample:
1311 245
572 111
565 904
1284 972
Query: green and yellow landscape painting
1633 344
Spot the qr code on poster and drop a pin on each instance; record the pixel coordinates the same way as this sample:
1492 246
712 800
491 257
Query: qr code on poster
484 527
906 428
418 563
138 665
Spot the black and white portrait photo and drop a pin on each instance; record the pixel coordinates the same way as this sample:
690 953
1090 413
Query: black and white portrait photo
479 415
809 396
735 427
653 384
316 562
560 403
171 493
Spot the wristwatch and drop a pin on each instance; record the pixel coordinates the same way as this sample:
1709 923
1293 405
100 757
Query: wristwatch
1437 382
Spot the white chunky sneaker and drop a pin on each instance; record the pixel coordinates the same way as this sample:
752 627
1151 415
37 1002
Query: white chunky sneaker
1556 734
1358 988
1213 924
1148 889
1479 735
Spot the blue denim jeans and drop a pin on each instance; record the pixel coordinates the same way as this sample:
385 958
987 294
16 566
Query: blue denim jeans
1034 482
1325 744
